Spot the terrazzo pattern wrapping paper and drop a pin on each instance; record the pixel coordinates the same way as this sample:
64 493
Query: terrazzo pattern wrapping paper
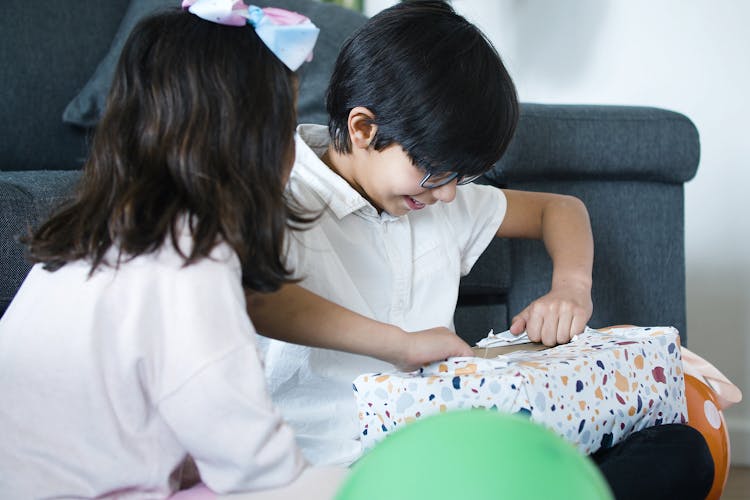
594 392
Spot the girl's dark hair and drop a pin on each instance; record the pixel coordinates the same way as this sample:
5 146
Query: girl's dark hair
435 84
199 124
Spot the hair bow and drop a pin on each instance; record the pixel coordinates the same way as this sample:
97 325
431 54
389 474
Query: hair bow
289 35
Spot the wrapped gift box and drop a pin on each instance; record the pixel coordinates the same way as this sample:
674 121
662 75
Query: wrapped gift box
594 391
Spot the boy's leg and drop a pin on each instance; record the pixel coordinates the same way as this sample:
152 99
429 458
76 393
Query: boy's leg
664 461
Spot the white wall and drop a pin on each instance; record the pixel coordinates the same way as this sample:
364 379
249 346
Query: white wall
690 56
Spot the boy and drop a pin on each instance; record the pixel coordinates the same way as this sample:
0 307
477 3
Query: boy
419 105
413 113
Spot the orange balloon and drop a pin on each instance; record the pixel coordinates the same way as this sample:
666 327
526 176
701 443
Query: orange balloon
705 416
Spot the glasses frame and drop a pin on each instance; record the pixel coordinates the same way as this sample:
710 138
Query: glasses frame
466 179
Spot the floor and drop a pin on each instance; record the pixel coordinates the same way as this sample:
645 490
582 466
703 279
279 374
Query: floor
738 484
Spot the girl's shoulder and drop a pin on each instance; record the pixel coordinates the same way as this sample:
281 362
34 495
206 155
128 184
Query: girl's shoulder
171 258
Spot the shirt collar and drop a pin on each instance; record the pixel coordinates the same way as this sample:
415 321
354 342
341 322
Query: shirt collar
311 143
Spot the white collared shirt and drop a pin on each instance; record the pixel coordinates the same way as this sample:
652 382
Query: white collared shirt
400 270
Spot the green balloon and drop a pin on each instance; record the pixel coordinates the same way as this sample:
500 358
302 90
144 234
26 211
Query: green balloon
474 454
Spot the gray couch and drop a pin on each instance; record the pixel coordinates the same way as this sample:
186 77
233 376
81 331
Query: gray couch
628 164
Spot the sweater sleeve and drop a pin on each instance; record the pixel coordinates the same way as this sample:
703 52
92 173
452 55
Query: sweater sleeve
224 418
211 388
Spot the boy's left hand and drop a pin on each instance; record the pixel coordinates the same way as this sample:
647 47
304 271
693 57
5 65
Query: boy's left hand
555 317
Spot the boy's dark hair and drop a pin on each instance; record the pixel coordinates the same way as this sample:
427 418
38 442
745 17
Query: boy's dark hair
435 84
199 124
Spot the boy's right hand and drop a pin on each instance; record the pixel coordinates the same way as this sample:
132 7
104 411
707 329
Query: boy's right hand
427 346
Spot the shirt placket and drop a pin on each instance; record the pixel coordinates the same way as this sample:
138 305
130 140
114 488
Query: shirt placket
397 243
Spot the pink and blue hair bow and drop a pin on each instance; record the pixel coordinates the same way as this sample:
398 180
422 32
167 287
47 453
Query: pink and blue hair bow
289 35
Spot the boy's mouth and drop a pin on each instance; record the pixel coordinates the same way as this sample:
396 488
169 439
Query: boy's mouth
414 204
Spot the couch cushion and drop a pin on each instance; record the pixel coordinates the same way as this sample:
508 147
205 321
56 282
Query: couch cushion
47 54
26 198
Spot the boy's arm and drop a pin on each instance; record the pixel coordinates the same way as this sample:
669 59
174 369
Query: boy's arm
562 222
296 315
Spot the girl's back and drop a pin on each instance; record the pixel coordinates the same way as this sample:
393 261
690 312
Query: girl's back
121 367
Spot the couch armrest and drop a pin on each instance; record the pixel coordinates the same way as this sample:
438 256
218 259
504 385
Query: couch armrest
628 165
566 142
26 199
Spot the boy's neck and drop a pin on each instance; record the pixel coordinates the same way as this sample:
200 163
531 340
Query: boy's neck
339 163
345 166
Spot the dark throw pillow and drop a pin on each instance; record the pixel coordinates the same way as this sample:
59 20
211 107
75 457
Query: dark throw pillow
335 23
86 107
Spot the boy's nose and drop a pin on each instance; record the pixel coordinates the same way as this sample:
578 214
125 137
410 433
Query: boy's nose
446 193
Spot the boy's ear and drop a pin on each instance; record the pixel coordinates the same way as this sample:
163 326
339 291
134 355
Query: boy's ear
362 128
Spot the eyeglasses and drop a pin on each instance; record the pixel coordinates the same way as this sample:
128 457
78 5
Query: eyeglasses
431 181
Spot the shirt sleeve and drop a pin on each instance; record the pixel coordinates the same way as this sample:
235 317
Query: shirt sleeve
211 389
474 217
224 418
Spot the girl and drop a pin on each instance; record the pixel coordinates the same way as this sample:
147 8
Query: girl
129 347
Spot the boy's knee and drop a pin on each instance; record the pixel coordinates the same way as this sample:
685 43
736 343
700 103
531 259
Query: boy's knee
672 460
698 461
686 457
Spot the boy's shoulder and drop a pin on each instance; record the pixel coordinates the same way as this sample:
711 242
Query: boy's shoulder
473 199
474 208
